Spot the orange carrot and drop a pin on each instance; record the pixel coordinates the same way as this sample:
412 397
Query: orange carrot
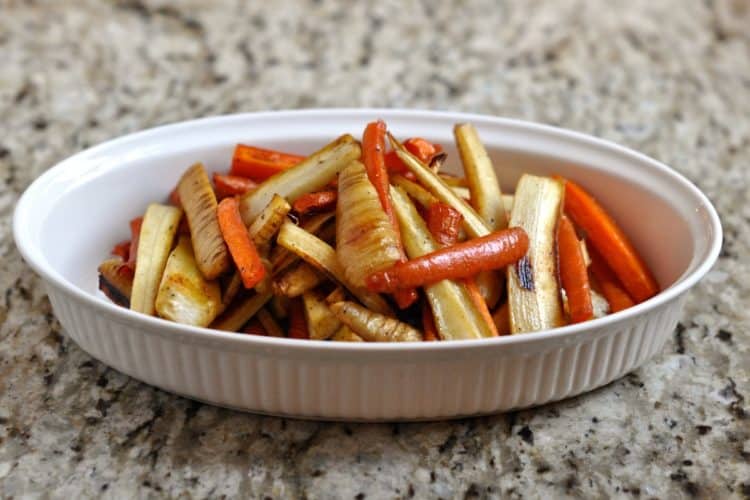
480 304
607 237
421 148
462 260
255 328
617 298
122 250
428 323
259 164
297 322
573 273
241 247
232 185
174 198
135 236
310 203
373 148
444 222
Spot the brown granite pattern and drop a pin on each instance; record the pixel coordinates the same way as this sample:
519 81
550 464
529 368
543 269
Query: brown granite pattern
669 78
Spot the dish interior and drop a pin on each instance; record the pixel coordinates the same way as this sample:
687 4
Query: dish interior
91 205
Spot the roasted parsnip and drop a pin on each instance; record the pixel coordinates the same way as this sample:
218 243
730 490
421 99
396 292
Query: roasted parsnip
455 315
272 327
320 255
312 174
372 326
199 201
365 238
282 259
185 296
473 223
230 289
533 290
298 280
420 194
240 312
157 233
321 322
267 223
116 281
345 334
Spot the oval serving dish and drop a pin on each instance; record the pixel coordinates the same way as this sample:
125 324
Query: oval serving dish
70 217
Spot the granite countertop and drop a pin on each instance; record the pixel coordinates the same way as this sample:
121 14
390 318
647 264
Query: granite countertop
669 78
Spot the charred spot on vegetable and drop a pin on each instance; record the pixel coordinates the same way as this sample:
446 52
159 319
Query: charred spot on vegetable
115 294
525 273
437 161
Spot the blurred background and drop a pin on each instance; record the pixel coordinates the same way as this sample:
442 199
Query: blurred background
670 78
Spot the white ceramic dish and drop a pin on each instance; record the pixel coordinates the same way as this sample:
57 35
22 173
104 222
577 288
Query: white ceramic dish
70 217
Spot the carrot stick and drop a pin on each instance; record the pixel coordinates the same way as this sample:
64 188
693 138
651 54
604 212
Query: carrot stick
573 273
444 222
610 287
463 260
428 324
232 185
135 236
310 203
607 237
241 247
255 328
259 164
373 148
297 322
480 304
122 250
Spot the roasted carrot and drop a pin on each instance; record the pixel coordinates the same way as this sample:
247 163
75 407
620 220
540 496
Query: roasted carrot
310 203
573 273
297 322
444 222
429 330
259 164
174 198
480 304
373 149
241 247
463 260
232 185
617 298
135 236
122 250
611 242
421 148
255 328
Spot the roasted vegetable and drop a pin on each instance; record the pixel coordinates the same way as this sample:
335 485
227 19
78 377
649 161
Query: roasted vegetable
319 201
345 334
240 312
185 296
573 274
231 287
198 200
241 247
281 258
486 196
473 223
616 296
320 255
155 242
501 318
321 322
270 325
297 281
267 223
259 164
312 174
232 185
455 315
372 326
420 194
365 238
116 281
297 322
533 291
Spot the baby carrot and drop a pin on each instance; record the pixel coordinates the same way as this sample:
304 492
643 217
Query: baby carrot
231 185
259 164
617 298
320 201
444 222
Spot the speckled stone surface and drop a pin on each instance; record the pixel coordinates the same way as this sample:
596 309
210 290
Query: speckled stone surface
669 78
